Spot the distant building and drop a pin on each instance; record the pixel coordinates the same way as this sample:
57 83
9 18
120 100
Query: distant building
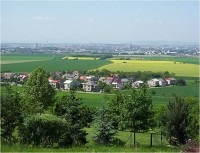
137 84
124 81
162 82
54 83
170 81
90 86
153 83
75 73
68 84
117 85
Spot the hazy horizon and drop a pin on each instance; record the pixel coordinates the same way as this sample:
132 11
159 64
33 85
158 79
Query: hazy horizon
99 22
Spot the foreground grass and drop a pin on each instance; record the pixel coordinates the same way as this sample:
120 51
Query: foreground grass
142 140
94 148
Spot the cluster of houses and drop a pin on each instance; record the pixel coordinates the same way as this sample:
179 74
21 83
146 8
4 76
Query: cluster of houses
90 83
66 81
15 78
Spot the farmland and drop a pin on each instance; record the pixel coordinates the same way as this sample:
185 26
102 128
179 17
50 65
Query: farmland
180 69
178 65
11 59
50 63
191 60
79 58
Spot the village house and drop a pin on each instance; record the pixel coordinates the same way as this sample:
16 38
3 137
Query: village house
83 78
23 77
117 84
170 81
75 73
137 84
68 76
162 82
153 83
92 79
90 86
102 79
54 83
108 80
124 81
68 84
8 75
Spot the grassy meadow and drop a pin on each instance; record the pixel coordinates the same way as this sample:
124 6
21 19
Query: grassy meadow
180 69
142 141
161 96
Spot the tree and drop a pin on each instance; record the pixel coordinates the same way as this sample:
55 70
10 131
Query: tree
175 119
108 88
180 82
116 106
39 93
10 114
70 109
138 110
193 119
104 130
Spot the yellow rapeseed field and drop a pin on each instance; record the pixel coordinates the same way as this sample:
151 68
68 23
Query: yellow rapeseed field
180 69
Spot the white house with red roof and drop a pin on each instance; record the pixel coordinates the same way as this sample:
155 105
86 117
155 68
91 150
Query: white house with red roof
54 83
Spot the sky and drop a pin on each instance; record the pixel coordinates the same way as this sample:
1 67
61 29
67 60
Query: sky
99 21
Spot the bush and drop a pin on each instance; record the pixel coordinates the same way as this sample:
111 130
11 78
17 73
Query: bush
180 82
46 131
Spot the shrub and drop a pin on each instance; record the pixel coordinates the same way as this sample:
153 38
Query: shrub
45 130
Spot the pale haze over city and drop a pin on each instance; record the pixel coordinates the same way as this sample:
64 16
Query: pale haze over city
99 22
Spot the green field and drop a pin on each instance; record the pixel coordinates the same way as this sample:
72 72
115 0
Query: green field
26 56
161 96
28 62
51 63
191 60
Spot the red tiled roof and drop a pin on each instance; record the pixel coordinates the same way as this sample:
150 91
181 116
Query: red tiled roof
169 79
54 81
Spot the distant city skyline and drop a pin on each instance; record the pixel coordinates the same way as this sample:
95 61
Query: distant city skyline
99 22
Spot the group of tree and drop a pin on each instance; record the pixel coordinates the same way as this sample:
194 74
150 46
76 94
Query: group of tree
40 119
144 76
133 112
43 120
